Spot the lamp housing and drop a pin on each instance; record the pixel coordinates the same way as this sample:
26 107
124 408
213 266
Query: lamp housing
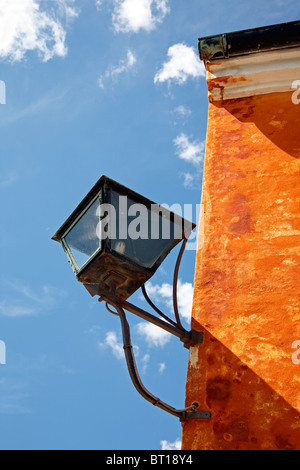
116 238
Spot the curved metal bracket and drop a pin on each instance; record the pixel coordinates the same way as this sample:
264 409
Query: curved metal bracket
186 413
175 328
187 337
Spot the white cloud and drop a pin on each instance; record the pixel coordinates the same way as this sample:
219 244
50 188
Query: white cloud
49 101
153 335
25 27
185 299
8 179
111 341
190 151
188 180
183 111
166 445
13 309
164 294
23 301
46 297
162 367
136 15
145 362
156 291
114 71
183 63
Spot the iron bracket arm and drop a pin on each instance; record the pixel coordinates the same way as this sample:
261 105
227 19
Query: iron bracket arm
190 412
187 337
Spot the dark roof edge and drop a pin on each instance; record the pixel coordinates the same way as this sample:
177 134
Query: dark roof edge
250 41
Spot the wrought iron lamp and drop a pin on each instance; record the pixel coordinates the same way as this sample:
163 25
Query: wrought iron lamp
113 252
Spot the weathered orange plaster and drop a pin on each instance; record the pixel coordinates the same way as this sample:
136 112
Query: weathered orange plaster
246 294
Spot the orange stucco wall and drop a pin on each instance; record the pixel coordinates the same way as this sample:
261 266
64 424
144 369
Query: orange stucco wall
246 294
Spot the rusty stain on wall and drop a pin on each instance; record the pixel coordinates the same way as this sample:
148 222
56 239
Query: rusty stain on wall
246 294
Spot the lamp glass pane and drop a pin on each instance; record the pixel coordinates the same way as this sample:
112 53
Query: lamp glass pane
84 239
141 234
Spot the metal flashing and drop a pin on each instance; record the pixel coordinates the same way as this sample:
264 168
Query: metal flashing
250 41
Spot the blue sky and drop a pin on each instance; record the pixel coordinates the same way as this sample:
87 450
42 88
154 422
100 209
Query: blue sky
110 87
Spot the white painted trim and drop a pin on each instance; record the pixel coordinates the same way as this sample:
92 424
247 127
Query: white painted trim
254 74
